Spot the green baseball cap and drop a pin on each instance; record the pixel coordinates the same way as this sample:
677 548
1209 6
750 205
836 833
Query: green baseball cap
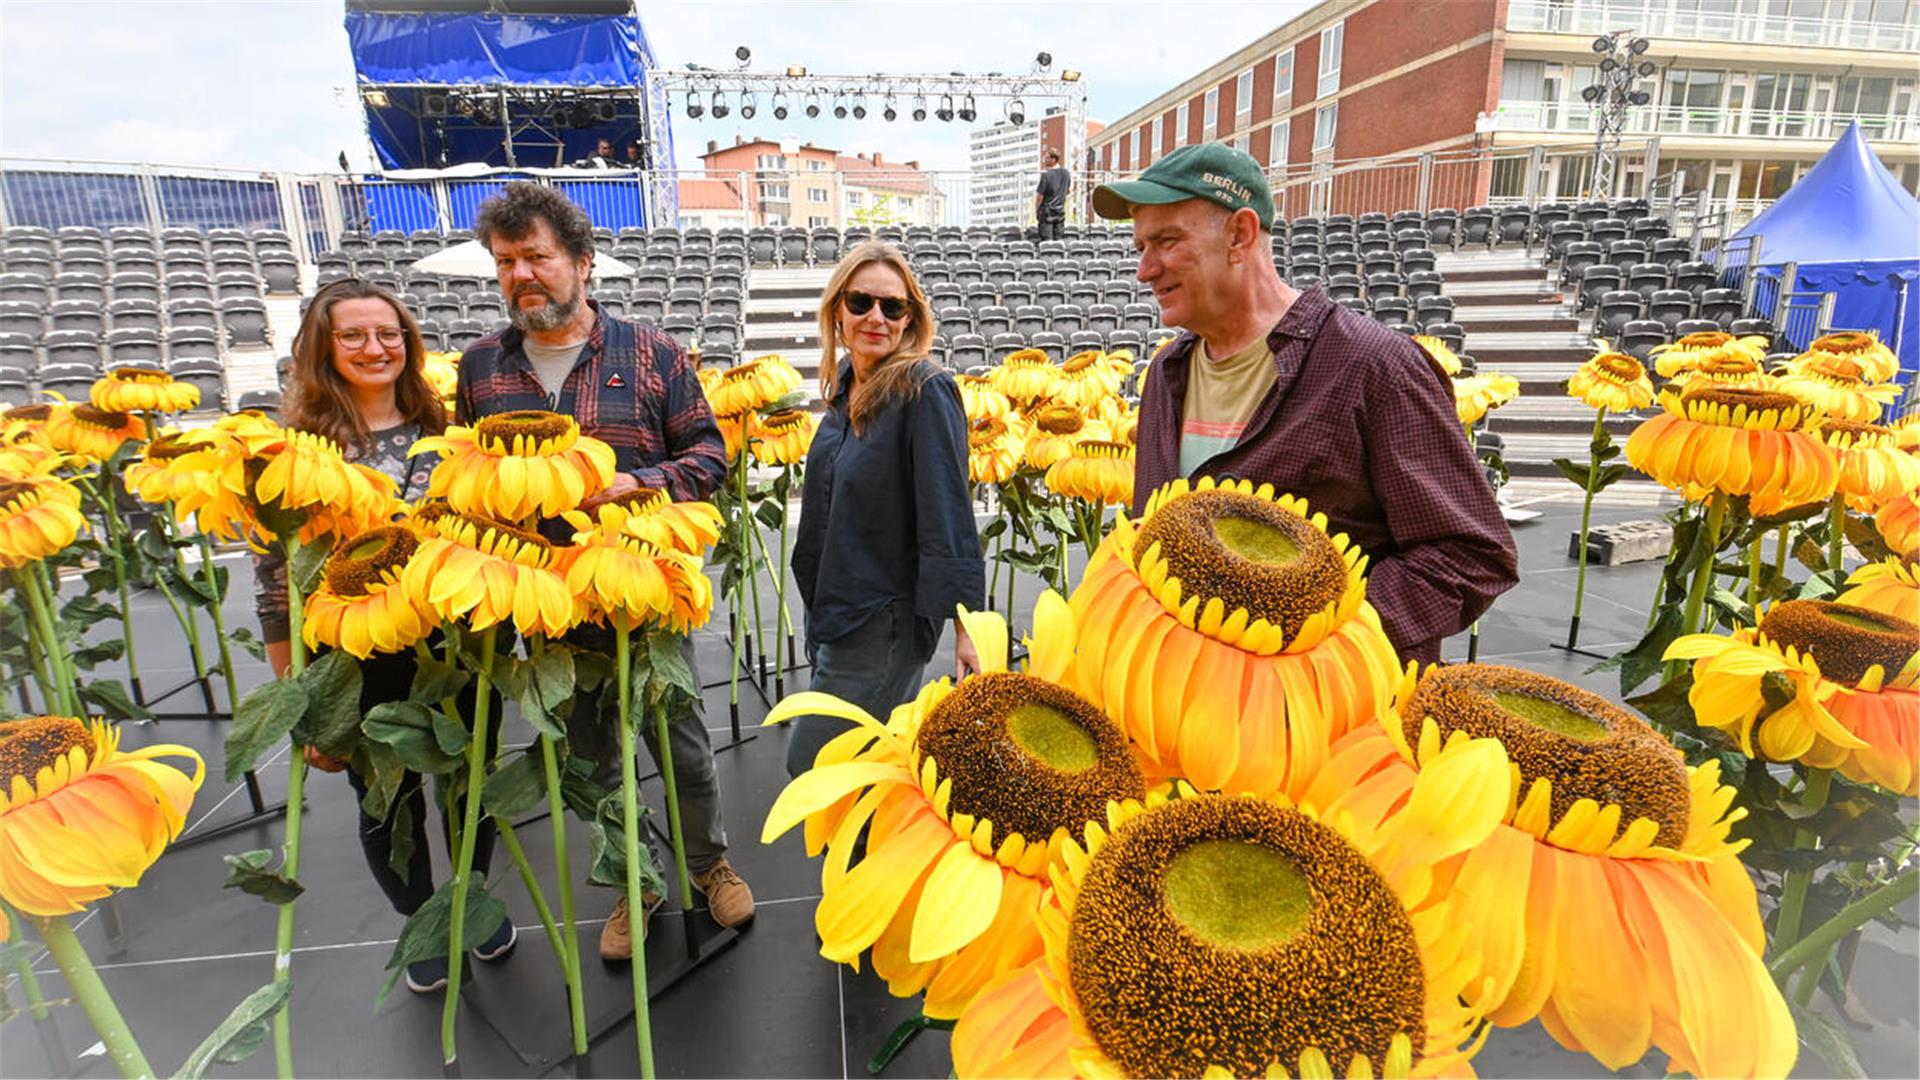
1213 171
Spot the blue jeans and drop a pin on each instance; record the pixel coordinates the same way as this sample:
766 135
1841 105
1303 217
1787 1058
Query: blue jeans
876 667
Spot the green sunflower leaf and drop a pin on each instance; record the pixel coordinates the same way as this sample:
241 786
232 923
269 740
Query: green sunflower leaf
407 727
265 716
308 564
248 872
331 720
435 680
242 1033
425 934
516 789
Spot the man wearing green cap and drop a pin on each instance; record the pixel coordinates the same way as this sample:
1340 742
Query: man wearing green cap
1273 385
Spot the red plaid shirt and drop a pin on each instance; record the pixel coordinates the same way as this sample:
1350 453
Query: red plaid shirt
1361 424
633 388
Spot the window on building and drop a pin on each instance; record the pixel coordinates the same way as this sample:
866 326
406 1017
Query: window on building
773 191
816 195
1132 160
1241 142
1210 115
855 198
1277 141
1692 101
1180 123
816 165
1331 40
769 161
817 221
1243 101
1326 119
1153 138
1283 80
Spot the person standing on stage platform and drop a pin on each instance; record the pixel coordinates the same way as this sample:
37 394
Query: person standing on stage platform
1273 385
1050 199
632 387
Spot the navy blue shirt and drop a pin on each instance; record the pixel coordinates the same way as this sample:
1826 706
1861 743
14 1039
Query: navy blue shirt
886 515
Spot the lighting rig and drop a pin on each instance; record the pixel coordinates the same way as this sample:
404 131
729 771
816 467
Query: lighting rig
1621 58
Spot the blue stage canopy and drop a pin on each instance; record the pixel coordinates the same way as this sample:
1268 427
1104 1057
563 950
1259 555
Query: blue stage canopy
452 49
1852 230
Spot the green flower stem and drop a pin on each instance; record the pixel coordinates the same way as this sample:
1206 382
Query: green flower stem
1824 937
566 946
1586 513
16 959
673 804
37 667
1836 535
569 943
749 542
469 828
739 624
1810 977
188 624
116 554
92 995
61 693
630 821
1703 574
1793 895
1660 583
1780 550
780 568
524 867
1754 562
296 806
219 622
45 670
993 558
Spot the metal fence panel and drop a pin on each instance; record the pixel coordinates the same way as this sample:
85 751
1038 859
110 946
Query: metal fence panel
51 199
209 203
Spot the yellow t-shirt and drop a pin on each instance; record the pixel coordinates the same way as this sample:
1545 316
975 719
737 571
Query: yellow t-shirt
1221 397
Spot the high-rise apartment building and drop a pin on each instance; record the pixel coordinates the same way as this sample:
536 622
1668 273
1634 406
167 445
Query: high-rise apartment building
1005 163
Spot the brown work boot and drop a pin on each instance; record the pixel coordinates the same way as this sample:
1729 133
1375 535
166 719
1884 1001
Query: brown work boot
728 897
616 937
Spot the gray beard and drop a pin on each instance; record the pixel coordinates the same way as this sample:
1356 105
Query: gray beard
550 316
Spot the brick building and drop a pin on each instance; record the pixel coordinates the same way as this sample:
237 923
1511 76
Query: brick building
790 183
1746 95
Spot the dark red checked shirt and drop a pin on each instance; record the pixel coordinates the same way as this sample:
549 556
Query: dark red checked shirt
1361 424
632 388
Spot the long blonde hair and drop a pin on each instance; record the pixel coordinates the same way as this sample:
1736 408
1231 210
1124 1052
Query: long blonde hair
893 380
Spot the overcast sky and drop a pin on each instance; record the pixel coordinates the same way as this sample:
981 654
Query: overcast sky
267 85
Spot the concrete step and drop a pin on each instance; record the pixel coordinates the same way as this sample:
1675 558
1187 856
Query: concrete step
1500 290
1530 341
1486 262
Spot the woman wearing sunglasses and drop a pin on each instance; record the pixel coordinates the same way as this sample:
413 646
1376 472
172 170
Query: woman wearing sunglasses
886 547
358 377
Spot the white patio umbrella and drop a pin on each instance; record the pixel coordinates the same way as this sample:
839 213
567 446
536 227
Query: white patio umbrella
472 259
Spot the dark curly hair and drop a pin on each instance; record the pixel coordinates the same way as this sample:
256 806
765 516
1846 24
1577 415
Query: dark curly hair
510 215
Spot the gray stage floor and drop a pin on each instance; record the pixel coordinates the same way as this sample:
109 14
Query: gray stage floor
185 950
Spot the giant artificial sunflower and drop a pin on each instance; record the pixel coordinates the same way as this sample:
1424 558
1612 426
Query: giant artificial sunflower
1239 935
442 372
1026 376
1837 388
515 465
1476 395
979 398
1724 368
306 474
487 573
1735 440
1853 672
1613 381
1691 350
1441 352
137 389
1055 428
154 477
23 441
782 438
1086 379
91 433
753 385
995 448
622 579
1863 347
79 817
965 796
649 514
360 605
1096 471
1890 587
1906 431
1898 523
732 430
1230 635
1873 471
1611 904
39 515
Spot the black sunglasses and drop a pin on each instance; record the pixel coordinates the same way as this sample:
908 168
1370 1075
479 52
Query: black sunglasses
894 308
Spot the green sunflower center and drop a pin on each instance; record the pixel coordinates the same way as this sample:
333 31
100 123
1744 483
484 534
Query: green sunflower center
1585 746
364 561
532 424
1248 552
1227 931
1029 756
32 744
1843 639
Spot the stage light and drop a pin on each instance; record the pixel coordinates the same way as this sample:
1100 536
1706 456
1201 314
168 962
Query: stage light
1647 68
377 99
1639 45
465 106
945 111
742 54
695 110
1603 44
839 107
1608 63
813 105
1639 97
1069 75
779 106
719 105
967 111
604 111
860 108
1016 112
1045 60
1591 94
889 113
795 71
748 108
920 107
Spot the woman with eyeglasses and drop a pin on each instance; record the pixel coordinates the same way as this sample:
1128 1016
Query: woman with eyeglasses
358 377
886 548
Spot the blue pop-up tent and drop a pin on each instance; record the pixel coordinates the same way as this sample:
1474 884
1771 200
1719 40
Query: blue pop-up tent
1850 229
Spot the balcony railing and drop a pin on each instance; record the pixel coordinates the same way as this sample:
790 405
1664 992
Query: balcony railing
1561 116
1656 19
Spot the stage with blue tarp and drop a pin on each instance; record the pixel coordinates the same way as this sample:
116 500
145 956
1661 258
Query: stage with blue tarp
1850 229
